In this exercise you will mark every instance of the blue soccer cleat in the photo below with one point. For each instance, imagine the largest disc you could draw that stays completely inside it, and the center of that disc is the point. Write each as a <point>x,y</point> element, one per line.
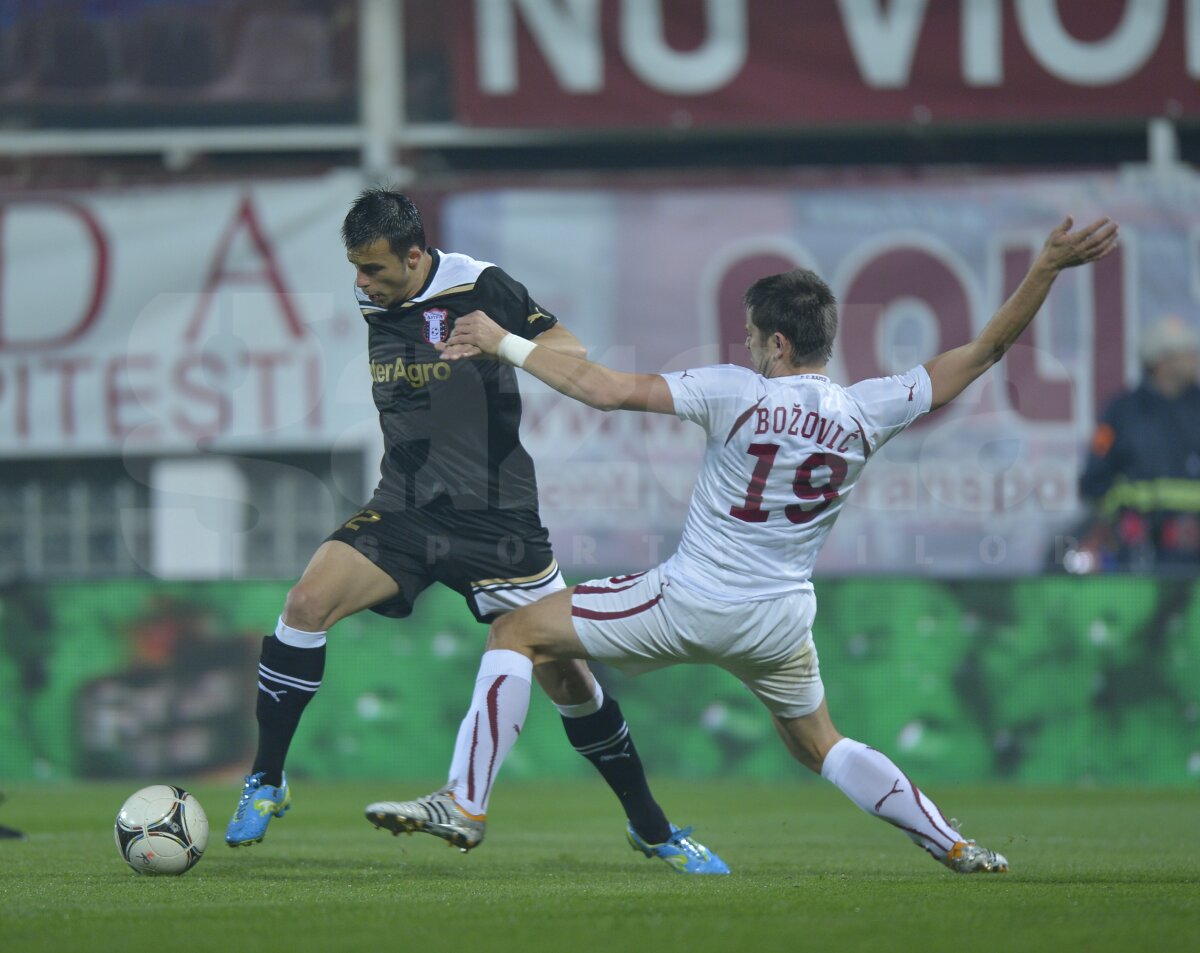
<point>684,854</point>
<point>255,808</point>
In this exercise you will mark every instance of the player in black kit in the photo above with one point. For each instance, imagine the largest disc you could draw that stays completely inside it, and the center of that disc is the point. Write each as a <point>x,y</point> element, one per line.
<point>456,504</point>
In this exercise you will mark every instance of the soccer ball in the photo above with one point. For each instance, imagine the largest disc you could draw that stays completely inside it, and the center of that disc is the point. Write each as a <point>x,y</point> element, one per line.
<point>161,829</point>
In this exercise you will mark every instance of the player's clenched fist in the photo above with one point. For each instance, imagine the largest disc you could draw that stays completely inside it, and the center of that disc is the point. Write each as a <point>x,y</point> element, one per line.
<point>474,334</point>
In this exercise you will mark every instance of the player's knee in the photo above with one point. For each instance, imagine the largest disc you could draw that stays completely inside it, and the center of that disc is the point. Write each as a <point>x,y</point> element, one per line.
<point>503,634</point>
<point>515,632</point>
<point>307,610</point>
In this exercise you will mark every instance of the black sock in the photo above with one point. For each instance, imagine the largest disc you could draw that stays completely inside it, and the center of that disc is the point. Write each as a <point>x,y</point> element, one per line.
<point>603,738</point>
<point>288,677</point>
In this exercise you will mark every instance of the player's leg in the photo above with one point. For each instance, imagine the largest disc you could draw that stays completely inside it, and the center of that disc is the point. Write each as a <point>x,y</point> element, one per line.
<point>592,718</point>
<point>778,661</point>
<point>500,701</point>
<point>622,618</point>
<point>596,728</point>
<point>498,581</point>
<point>539,635</point>
<point>339,581</point>
<point>872,781</point>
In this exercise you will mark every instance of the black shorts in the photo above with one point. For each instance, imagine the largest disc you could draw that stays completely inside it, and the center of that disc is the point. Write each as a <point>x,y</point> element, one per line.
<point>495,572</point>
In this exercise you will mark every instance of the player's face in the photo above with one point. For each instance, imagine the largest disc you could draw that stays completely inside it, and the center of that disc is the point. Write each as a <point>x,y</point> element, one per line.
<point>385,277</point>
<point>759,346</point>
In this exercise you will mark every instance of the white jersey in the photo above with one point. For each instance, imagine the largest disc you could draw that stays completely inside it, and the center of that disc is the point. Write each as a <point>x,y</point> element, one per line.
<point>783,454</point>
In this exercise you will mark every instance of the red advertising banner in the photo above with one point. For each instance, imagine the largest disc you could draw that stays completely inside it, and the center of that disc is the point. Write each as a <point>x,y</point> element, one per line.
<point>724,63</point>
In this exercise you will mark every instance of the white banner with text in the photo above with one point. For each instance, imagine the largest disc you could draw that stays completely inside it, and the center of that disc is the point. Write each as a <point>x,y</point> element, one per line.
<point>221,318</point>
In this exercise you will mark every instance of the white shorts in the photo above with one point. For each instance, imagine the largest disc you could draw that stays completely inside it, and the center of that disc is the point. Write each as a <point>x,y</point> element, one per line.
<point>646,621</point>
<point>491,597</point>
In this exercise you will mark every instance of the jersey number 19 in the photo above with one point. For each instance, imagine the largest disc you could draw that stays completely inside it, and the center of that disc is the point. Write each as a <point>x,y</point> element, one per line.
<point>752,512</point>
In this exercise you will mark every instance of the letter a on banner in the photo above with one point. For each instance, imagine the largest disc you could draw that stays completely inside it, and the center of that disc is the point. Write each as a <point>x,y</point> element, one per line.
<point>225,272</point>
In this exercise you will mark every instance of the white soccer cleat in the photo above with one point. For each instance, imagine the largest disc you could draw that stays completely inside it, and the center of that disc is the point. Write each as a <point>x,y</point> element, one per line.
<point>437,814</point>
<point>967,857</point>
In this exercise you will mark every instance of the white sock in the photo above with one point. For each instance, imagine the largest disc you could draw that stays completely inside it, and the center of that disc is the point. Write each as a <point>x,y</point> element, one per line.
<point>870,779</point>
<point>298,638</point>
<point>589,707</point>
<point>493,722</point>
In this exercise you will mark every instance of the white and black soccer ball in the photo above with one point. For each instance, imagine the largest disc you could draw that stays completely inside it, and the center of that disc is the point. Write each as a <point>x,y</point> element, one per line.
<point>161,830</point>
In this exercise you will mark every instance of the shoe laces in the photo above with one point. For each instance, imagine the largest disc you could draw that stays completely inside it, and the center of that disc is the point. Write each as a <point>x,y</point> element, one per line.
<point>683,840</point>
<point>250,785</point>
<point>956,826</point>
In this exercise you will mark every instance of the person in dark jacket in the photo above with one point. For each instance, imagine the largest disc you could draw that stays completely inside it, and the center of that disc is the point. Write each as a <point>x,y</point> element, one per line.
<point>1142,476</point>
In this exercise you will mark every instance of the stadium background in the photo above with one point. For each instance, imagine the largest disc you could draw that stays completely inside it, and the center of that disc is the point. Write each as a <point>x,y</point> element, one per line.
<point>184,410</point>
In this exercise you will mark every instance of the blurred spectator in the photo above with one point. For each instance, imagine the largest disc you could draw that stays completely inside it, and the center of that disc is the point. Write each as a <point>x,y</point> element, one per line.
<point>1142,475</point>
<point>9,833</point>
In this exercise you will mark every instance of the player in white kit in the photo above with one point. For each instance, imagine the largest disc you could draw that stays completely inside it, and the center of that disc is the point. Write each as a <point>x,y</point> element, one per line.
<point>785,448</point>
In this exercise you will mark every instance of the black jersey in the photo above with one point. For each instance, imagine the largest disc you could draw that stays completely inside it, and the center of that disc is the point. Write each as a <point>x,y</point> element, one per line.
<point>451,429</point>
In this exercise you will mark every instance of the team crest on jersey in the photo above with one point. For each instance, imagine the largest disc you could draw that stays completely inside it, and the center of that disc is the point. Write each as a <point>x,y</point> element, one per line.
<point>437,325</point>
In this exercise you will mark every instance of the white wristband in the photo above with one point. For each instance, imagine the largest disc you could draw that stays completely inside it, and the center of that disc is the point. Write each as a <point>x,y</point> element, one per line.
<point>514,349</point>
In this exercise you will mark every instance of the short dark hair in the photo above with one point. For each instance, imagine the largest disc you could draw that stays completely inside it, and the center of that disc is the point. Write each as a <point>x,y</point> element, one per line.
<point>800,306</point>
<point>383,213</point>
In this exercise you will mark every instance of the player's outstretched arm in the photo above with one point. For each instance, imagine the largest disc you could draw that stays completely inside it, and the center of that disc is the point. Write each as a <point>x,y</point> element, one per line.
<point>560,339</point>
<point>952,371</point>
<point>476,335</point>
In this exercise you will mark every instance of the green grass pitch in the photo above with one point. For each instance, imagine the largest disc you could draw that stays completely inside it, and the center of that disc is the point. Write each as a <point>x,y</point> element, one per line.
<point>1093,870</point>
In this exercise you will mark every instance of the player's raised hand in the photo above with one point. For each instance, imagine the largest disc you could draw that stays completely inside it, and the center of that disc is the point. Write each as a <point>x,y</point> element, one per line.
<point>1066,249</point>
<point>474,335</point>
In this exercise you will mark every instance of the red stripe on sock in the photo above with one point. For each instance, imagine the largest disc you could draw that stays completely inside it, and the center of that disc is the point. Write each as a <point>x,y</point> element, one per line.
<point>916,792</point>
<point>471,761</point>
<point>494,726</point>
<point>920,834</point>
